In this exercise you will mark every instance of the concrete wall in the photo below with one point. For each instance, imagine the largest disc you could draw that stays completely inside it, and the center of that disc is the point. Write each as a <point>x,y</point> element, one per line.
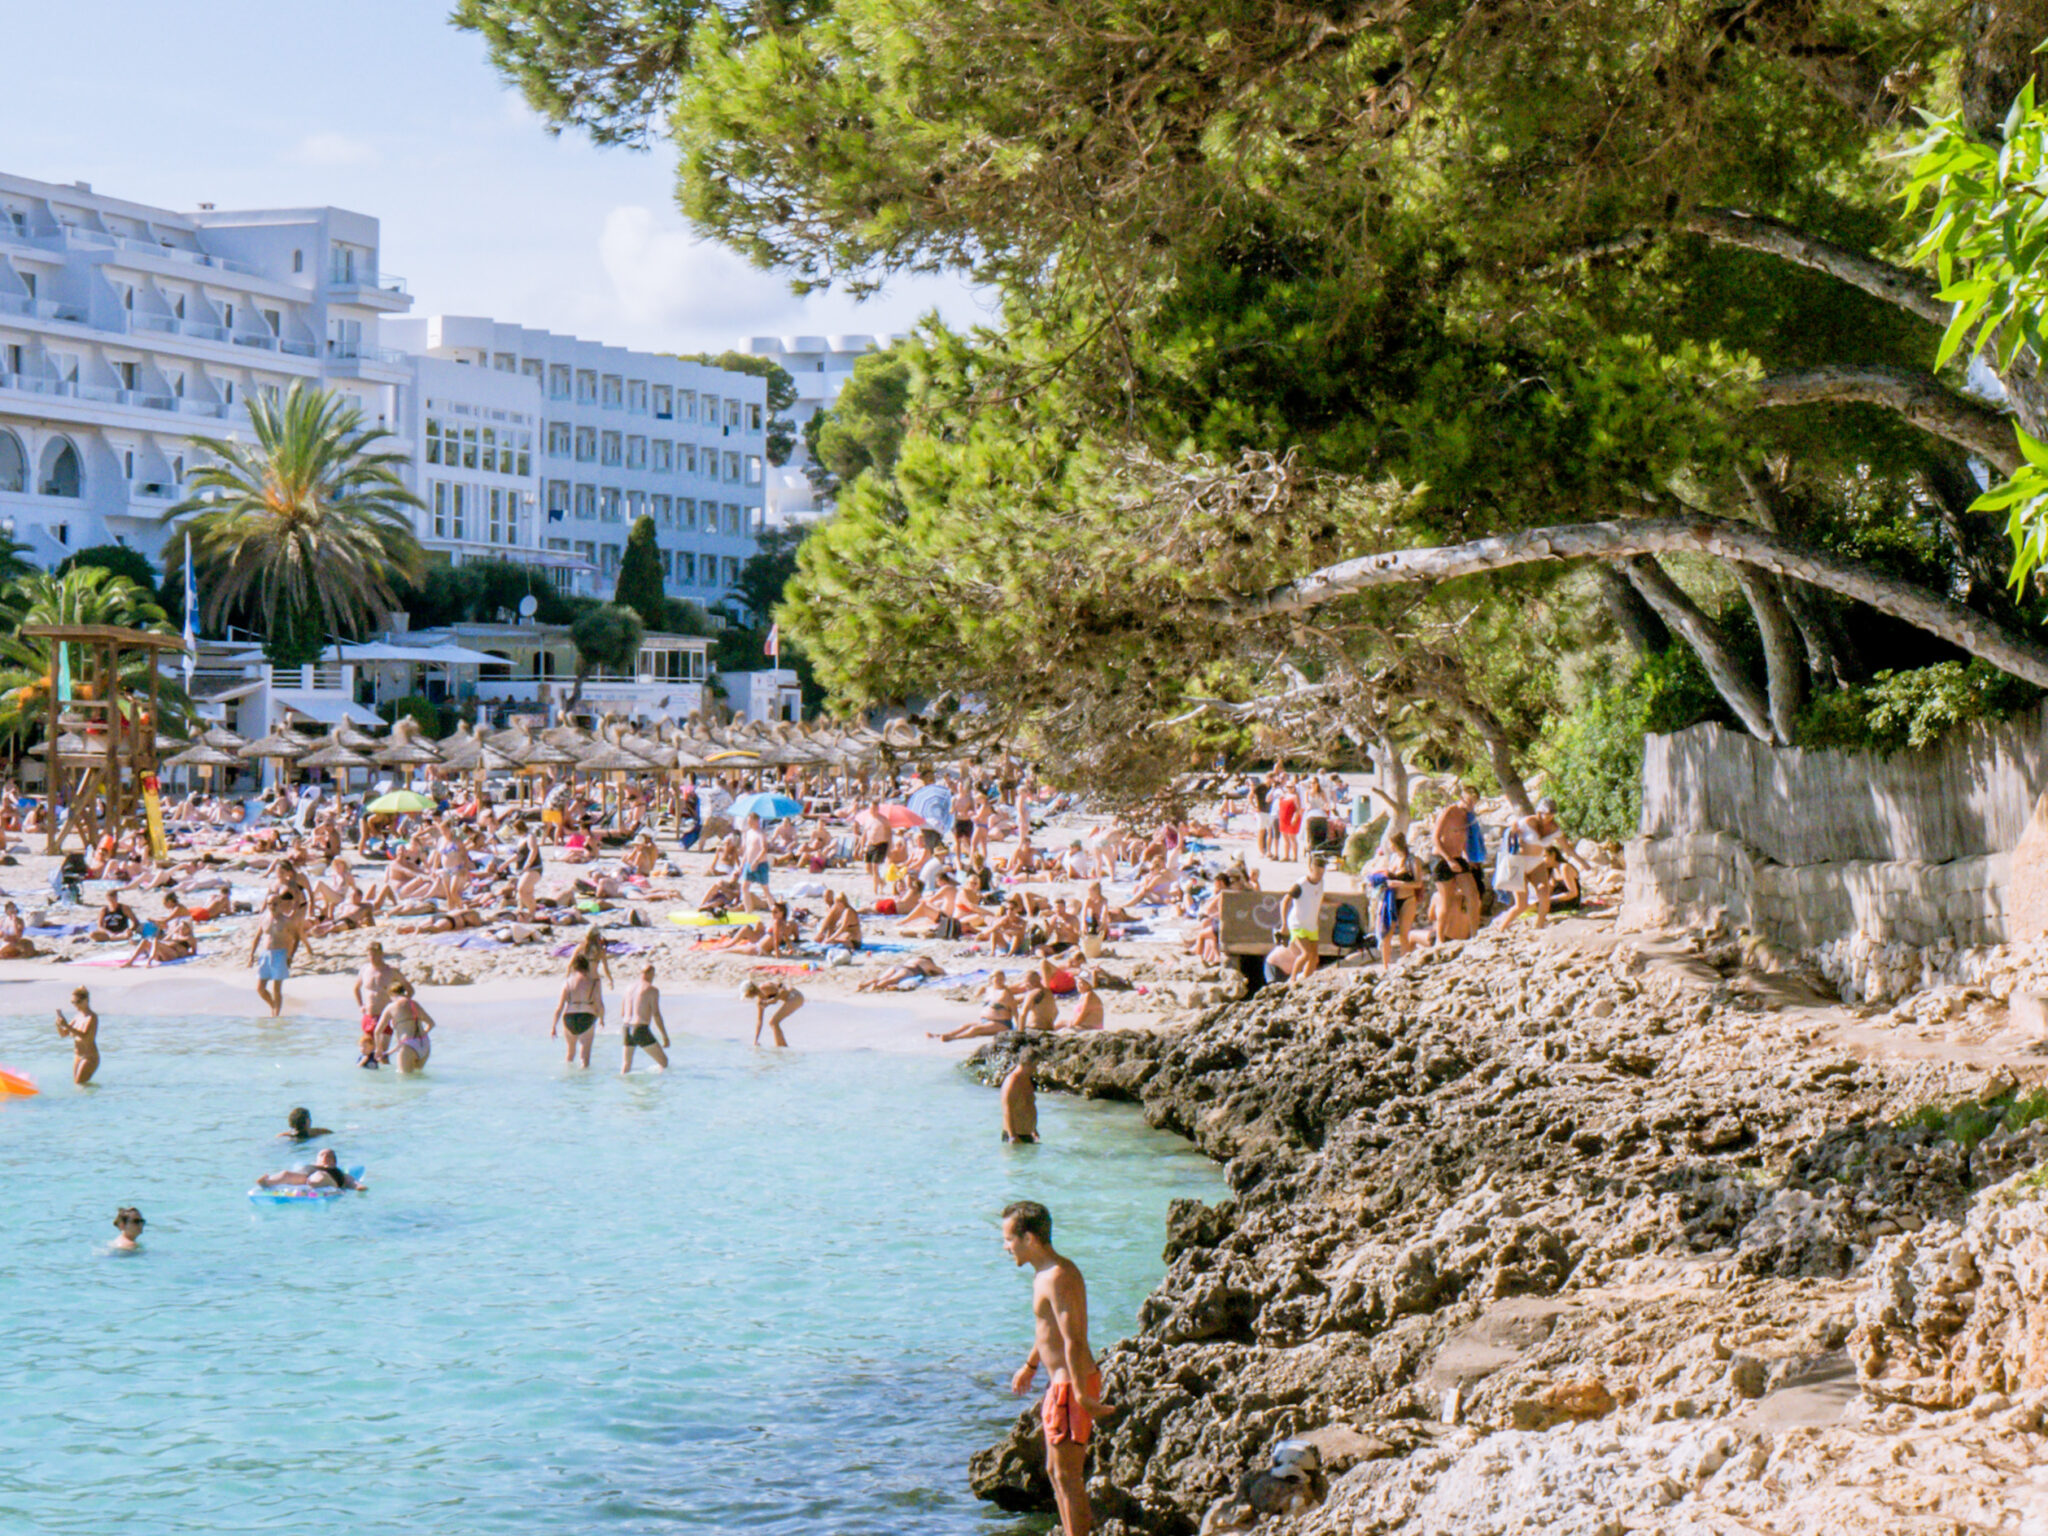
<point>1813,848</point>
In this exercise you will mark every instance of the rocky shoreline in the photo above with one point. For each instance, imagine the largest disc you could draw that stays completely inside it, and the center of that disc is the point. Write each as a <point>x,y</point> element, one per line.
<point>1525,1240</point>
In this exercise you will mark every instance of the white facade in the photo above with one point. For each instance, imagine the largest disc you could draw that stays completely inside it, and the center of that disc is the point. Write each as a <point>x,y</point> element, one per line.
<point>820,365</point>
<point>622,434</point>
<point>126,330</point>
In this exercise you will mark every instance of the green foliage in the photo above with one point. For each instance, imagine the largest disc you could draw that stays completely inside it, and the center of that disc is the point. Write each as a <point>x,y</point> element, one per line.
<point>1987,233</point>
<point>607,636</point>
<point>89,595</point>
<point>434,720</point>
<point>639,587</point>
<point>864,427</point>
<point>118,559</point>
<point>481,591</point>
<point>1593,754</point>
<point>305,532</point>
<point>767,572</point>
<point>1915,708</point>
<point>1968,1122</point>
<point>780,430</point>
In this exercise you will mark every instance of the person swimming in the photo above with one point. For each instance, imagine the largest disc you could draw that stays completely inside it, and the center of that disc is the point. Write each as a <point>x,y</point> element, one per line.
<point>128,1225</point>
<point>325,1172</point>
<point>302,1127</point>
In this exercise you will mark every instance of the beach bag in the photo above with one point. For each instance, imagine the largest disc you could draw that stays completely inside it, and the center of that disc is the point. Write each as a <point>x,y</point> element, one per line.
<point>1514,844</point>
<point>1346,930</point>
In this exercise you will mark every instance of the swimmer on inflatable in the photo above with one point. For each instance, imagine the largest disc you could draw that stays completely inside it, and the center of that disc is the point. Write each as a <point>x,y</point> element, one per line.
<point>325,1175</point>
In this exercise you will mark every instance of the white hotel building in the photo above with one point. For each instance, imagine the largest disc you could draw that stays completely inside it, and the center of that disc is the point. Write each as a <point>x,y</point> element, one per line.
<point>127,330</point>
<point>588,438</point>
<point>820,365</point>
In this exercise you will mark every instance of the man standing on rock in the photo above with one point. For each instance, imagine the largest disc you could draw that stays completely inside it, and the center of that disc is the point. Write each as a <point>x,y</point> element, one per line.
<point>1073,1401</point>
<point>1457,884</point>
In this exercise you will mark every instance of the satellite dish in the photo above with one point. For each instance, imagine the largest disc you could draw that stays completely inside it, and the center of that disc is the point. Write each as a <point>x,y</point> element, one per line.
<point>529,605</point>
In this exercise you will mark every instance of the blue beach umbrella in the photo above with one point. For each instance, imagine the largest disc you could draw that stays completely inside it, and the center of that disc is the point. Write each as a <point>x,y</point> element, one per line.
<point>767,806</point>
<point>934,802</point>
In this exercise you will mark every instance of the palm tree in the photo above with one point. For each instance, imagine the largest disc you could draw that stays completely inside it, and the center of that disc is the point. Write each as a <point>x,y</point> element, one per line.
<point>87,595</point>
<point>307,527</point>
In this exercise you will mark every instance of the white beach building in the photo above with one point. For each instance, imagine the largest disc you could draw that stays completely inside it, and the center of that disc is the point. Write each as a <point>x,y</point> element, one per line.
<point>619,434</point>
<point>125,330</point>
<point>820,365</point>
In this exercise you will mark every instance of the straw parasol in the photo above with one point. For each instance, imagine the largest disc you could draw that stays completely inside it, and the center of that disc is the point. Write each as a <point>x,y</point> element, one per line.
<point>202,754</point>
<point>355,740</point>
<point>405,749</point>
<point>225,740</point>
<point>283,743</point>
<point>336,758</point>
<point>460,751</point>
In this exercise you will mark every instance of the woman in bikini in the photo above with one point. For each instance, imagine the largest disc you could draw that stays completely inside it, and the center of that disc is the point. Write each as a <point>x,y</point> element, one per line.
<point>596,953</point>
<point>784,999</point>
<point>917,968</point>
<point>406,1027</point>
<point>998,1013</point>
<point>580,1008</point>
<point>82,1029</point>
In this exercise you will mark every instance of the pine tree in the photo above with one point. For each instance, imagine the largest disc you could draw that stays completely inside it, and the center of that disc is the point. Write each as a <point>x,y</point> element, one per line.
<point>639,585</point>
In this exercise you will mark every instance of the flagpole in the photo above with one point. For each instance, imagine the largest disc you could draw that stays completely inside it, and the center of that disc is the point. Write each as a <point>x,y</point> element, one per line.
<point>191,603</point>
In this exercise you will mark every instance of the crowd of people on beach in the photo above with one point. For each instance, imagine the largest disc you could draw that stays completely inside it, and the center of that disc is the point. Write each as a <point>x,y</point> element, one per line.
<point>977,878</point>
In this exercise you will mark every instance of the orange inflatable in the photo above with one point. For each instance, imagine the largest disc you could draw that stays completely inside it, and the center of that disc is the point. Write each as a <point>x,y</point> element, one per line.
<point>14,1086</point>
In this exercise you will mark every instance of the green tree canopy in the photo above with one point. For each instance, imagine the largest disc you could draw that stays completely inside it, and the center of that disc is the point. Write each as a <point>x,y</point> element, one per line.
<point>307,531</point>
<point>863,429</point>
<point>609,637</point>
<point>639,586</point>
<point>117,559</point>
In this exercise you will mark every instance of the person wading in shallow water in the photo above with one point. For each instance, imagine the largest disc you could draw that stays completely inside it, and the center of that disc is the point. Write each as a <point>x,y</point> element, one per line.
<point>1020,1103</point>
<point>1073,1400</point>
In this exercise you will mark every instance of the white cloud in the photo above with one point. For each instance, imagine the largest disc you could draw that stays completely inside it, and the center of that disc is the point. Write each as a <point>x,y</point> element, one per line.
<point>333,149</point>
<point>668,278</point>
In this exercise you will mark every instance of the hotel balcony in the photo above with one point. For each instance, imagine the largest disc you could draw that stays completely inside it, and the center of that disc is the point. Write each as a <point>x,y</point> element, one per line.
<point>383,291</point>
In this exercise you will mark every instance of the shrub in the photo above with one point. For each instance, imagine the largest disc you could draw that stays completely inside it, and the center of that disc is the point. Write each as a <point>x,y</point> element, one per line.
<point>1592,757</point>
<point>433,719</point>
<point>1916,708</point>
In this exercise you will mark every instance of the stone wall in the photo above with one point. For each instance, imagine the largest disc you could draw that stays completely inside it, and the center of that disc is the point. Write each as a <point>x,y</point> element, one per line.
<point>1862,861</point>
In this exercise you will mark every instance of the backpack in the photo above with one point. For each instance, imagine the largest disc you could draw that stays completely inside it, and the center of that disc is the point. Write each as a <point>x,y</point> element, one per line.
<point>1346,930</point>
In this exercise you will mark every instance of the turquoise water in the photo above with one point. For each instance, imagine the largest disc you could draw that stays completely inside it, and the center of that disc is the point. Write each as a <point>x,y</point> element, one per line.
<point>763,1292</point>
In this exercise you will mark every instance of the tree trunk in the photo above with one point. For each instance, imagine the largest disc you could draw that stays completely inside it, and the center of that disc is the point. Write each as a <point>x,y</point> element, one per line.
<point>1637,620</point>
<point>1724,667</point>
<point>1784,652</point>
<point>1831,657</point>
<point>1487,727</point>
<point>1619,539</point>
<point>1919,397</point>
<point>1390,768</point>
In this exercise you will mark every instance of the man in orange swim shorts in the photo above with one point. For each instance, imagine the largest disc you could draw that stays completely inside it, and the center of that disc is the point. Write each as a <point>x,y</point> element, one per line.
<point>1073,1402</point>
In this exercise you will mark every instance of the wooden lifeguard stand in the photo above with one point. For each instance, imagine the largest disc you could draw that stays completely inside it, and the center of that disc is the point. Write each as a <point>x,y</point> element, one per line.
<point>116,732</point>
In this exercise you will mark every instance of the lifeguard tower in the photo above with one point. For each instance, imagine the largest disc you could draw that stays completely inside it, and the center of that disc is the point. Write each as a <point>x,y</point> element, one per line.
<point>101,742</point>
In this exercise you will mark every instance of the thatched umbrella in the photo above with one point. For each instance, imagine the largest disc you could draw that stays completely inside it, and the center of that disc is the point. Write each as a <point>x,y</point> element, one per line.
<point>338,759</point>
<point>225,740</point>
<point>283,745</point>
<point>353,739</point>
<point>460,751</point>
<point>405,749</point>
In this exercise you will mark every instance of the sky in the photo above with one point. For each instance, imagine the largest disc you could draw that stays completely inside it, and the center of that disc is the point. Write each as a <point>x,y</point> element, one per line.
<point>382,107</point>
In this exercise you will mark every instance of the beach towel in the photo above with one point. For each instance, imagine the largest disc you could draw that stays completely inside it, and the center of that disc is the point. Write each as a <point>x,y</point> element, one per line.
<point>611,947</point>
<point>470,940</point>
<point>710,920</point>
<point>115,960</point>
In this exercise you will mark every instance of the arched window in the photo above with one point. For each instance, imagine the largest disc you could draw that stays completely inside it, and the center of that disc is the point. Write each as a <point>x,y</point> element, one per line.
<point>61,472</point>
<point>13,464</point>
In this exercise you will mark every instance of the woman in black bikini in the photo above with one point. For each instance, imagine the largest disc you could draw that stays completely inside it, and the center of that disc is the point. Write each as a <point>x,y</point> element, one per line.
<point>580,1008</point>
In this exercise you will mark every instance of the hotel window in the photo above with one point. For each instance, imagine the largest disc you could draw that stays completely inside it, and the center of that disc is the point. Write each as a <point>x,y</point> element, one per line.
<point>664,511</point>
<point>636,505</point>
<point>611,504</point>
<point>490,453</point>
<point>732,518</point>
<point>505,362</point>
<point>586,550</point>
<point>753,418</point>
<point>460,509</point>
<point>686,404</point>
<point>532,367</point>
<point>687,454</point>
<point>686,568</point>
<point>559,440</point>
<point>525,460</point>
<point>586,387</point>
<point>608,452</point>
<point>586,445</point>
<point>636,453</point>
<point>558,500</point>
<point>128,464</point>
<point>504,516</point>
<point>753,469</point>
<point>14,357</point>
<point>440,509</point>
<point>433,440</point>
<point>732,571</point>
<point>732,415</point>
<point>636,396</point>
<point>663,456</point>
<point>711,410</point>
<point>686,513</point>
<point>586,502</point>
<point>469,447</point>
<point>732,467</point>
<point>614,392</point>
<point>558,382</point>
<point>611,560</point>
<point>664,402</point>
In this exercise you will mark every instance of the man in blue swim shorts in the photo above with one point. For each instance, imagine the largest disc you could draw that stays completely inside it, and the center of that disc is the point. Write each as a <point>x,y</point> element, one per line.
<point>270,951</point>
